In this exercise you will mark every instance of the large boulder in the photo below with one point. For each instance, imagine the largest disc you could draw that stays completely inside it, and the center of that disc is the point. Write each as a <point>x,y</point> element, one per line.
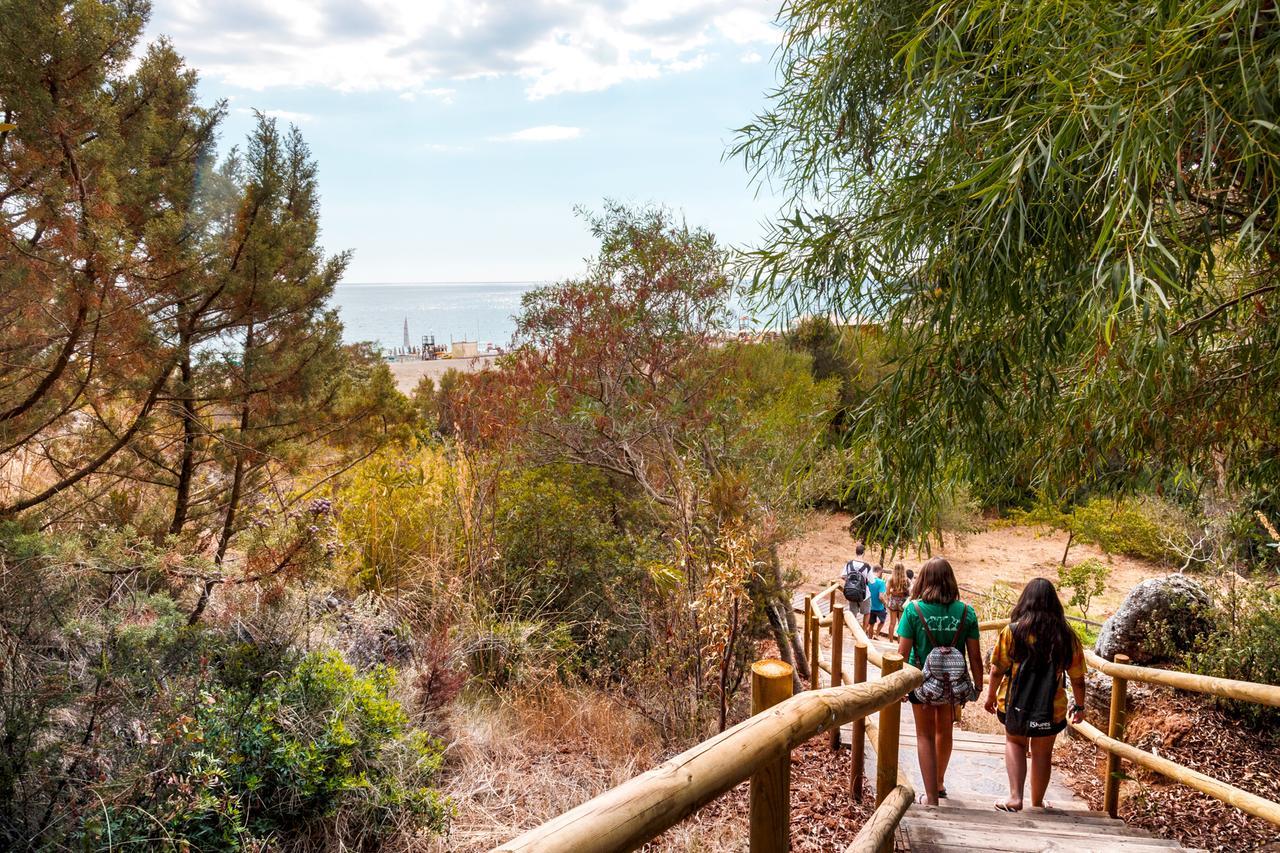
<point>1159,618</point>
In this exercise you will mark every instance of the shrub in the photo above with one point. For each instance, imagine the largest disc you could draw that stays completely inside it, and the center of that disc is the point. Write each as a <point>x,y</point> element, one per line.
<point>1145,527</point>
<point>320,751</point>
<point>1245,645</point>
<point>517,652</point>
<point>394,516</point>
<point>1086,579</point>
<point>123,727</point>
<point>573,547</point>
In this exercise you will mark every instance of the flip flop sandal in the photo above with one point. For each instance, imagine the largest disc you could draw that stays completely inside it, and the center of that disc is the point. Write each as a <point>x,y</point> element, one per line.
<point>942,793</point>
<point>1005,807</point>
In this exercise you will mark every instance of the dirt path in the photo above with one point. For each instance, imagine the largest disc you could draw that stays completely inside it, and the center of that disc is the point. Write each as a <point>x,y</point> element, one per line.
<point>999,555</point>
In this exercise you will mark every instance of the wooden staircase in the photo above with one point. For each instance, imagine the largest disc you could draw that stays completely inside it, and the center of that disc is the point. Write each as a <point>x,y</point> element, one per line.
<point>968,820</point>
<point>962,825</point>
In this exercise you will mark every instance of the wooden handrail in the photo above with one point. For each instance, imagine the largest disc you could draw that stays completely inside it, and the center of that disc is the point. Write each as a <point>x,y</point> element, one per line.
<point>638,810</point>
<point>1070,618</point>
<point>1229,688</point>
<point>877,832</point>
<point>1243,800</point>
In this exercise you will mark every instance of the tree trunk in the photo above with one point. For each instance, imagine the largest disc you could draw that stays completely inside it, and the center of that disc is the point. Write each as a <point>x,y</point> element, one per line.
<point>186,468</point>
<point>237,489</point>
<point>792,634</point>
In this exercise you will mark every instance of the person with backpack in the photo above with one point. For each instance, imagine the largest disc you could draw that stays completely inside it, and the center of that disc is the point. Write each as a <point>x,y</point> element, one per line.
<point>939,634</point>
<point>856,578</point>
<point>897,589</point>
<point>1033,654</point>
<point>876,594</point>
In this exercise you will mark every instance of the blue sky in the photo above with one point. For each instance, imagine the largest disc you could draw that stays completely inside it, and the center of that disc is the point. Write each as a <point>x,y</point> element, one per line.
<point>455,138</point>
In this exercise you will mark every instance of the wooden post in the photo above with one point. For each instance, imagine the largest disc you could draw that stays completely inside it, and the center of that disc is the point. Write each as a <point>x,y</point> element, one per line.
<point>1115,729</point>
<point>815,643</point>
<point>808,635</point>
<point>770,794</point>
<point>858,747</point>
<point>837,659</point>
<point>887,747</point>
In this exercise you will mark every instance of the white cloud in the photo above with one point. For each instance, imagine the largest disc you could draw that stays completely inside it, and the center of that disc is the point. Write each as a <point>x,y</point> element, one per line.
<point>751,57</point>
<point>286,116</point>
<point>441,94</point>
<point>418,49</point>
<point>542,133</point>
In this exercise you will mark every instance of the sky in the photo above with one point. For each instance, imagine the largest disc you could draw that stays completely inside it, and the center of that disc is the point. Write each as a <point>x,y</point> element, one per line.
<point>455,137</point>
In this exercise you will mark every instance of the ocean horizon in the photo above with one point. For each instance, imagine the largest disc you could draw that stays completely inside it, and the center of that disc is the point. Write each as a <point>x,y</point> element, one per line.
<point>482,311</point>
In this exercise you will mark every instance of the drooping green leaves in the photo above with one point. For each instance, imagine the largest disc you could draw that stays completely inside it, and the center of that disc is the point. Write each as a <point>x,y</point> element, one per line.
<point>1064,212</point>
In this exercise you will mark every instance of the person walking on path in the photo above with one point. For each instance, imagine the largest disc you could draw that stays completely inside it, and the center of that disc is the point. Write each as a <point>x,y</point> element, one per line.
<point>876,593</point>
<point>1026,690</point>
<point>856,578</point>
<point>937,633</point>
<point>897,589</point>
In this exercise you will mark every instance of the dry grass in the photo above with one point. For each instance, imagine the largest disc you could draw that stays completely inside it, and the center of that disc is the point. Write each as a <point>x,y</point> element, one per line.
<point>518,760</point>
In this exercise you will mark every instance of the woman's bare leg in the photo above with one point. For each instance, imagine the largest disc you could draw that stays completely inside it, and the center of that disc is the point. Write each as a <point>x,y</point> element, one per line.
<point>926,750</point>
<point>944,716</point>
<point>1015,764</point>
<point>1041,767</point>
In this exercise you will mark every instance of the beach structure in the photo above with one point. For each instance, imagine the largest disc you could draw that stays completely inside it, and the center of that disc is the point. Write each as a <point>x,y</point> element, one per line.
<point>464,349</point>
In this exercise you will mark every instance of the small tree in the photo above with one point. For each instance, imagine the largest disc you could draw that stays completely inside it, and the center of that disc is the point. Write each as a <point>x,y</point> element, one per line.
<point>1086,579</point>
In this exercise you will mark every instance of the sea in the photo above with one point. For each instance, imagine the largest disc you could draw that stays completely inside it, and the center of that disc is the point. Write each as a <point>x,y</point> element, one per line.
<point>470,311</point>
<point>465,311</point>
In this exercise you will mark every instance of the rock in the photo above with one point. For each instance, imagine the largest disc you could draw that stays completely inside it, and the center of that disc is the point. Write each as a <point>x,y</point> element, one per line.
<point>1159,618</point>
<point>1097,695</point>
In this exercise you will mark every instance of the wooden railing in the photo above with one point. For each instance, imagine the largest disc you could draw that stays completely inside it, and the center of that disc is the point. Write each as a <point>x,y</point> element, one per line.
<point>885,820</point>
<point>759,749</point>
<point>1122,672</point>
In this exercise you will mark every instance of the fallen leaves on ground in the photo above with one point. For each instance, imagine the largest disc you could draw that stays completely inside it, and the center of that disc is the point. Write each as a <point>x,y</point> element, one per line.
<point>1188,730</point>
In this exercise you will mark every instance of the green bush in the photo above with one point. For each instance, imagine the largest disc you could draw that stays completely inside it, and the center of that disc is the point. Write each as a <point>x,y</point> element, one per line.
<point>1144,527</point>
<point>573,549</point>
<point>1245,645</point>
<point>319,751</point>
<point>123,727</point>
<point>1085,579</point>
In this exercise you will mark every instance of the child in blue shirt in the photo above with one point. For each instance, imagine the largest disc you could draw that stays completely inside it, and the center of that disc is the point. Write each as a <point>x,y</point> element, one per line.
<point>879,612</point>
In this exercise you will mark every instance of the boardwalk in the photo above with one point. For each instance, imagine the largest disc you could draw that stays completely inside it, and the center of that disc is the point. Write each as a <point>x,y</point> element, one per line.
<point>968,820</point>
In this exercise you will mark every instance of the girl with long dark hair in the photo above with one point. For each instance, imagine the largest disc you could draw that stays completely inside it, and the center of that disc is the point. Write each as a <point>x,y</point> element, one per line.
<point>939,634</point>
<point>1035,650</point>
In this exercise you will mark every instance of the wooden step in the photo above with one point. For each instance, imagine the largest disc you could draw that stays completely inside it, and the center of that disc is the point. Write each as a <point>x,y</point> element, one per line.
<point>926,836</point>
<point>1060,824</point>
<point>979,810</point>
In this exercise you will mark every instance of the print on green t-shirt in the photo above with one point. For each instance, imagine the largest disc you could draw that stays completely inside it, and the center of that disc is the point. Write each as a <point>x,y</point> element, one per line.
<point>943,621</point>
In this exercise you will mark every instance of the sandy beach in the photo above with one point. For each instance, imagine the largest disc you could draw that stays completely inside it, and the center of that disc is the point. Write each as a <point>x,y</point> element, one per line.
<point>407,373</point>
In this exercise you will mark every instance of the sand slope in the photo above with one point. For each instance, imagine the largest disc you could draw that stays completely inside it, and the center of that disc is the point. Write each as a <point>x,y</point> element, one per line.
<point>1002,554</point>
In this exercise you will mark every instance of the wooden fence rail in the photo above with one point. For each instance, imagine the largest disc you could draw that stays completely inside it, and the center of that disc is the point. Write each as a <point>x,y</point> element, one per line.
<point>638,810</point>
<point>758,748</point>
<point>1112,742</point>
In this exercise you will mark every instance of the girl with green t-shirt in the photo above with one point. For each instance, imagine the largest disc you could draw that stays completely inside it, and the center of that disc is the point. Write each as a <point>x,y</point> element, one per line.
<point>936,615</point>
